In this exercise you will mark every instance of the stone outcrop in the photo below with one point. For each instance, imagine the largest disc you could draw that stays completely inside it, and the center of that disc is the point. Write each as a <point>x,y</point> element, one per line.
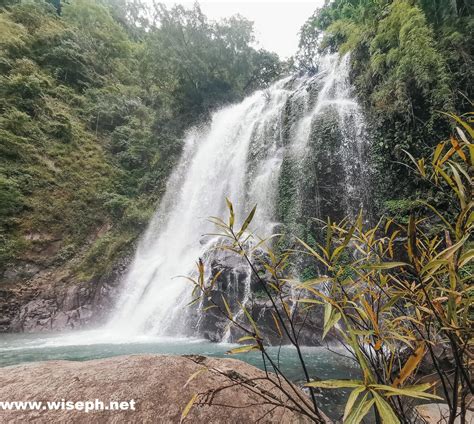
<point>438,413</point>
<point>233,278</point>
<point>56,300</point>
<point>229,391</point>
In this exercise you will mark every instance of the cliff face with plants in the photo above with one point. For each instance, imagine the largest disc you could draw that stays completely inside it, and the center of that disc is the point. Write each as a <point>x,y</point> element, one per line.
<point>94,100</point>
<point>411,59</point>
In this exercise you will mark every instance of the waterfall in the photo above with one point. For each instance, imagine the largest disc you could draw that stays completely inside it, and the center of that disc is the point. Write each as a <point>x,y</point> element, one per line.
<point>261,151</point>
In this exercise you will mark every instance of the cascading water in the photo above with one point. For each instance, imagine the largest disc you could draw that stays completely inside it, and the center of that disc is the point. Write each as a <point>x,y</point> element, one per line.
<point>261,151</point>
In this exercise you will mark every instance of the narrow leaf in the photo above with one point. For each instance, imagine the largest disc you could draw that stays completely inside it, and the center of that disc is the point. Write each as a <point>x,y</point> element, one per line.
<point>194,375</point>
<point>188,407</point>
<point>360,411</point>
<point>247,222</point>
<point>335,384</point>
<point>227,308</point>
<point>231,211</point>
<point>385,410</point>
<point>351,401</point>
<point>243,349</point>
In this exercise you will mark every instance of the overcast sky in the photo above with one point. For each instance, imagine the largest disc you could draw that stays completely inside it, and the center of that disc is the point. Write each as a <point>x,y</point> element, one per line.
<point>276,23</point>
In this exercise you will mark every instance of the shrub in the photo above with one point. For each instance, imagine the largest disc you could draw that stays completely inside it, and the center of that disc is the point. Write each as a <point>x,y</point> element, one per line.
<point>388,303</point>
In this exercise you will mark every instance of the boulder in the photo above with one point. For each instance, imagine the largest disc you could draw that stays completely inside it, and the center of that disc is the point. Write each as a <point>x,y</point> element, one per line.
<point>229,391</point>
<point>235,281</point>
<point>438,413</point>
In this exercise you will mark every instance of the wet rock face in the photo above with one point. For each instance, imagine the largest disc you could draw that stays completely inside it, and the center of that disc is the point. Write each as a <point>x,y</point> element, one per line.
<point>237,282</point>
<point>308,327</point>
<point>52,301</point>
<point>55,301</point>
<point>50,315</point>
<point>36,314</point>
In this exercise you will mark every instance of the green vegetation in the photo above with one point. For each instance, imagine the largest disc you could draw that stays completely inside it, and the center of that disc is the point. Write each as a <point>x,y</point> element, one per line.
<point>410,60</point>
<point>94,99</point>
<point>392,295</point>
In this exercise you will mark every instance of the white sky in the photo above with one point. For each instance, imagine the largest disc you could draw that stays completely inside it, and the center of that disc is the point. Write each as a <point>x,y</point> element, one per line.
<point>276,23</point>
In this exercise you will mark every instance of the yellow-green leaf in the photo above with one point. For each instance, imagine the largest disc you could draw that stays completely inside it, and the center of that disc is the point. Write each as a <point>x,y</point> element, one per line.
<point>213,281</point>
<point>385,410</point>
<point>231,211</point>
<point>358,412</point>
<point>313,252</point>
<point>227,308</point>
<point>418,391</point>
<point>247,221</point>
<point>437,152</point>
<point>466,257</point>
<point>277,325</point>
<point>242,349</point>
<point>314,281</point>
<point>194,375</point>
<point>251,320</point>
<point>351,401</point>
<point>387,265</point>
<point>245,338</point>
<point>331,318</point>
<point>188,407</point>
<point>335,384</point>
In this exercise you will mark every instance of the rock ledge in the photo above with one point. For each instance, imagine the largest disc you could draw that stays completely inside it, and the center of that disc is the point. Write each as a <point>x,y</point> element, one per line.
<point>159,384</point>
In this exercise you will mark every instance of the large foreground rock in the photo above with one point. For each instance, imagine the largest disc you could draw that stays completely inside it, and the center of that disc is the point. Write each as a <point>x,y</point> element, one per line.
<point>157,383</point>
<point>438,413</point>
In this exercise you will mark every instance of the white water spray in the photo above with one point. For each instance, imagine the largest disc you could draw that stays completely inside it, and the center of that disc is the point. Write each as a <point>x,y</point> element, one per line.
<point>239,156</point>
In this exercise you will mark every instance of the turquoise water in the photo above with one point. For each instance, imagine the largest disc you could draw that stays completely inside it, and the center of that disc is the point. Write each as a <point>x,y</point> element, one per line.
<point>81,346</point>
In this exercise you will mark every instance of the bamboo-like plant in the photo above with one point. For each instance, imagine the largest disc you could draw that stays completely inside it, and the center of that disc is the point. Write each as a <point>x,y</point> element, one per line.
<point>405,294</point>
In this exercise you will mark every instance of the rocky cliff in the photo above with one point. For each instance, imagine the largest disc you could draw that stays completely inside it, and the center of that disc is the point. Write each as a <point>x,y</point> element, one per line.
<point>37,298</point>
